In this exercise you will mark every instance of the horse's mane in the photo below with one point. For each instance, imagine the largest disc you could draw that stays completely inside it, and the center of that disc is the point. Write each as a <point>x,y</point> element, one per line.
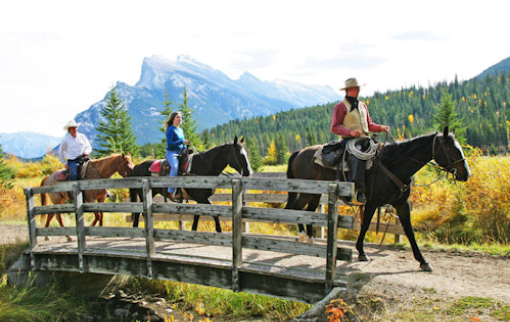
<point>400,151</point>
<point>106,162</point>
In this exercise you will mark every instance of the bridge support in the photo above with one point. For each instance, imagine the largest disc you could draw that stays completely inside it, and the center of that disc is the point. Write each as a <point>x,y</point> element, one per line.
<point>89,284</point>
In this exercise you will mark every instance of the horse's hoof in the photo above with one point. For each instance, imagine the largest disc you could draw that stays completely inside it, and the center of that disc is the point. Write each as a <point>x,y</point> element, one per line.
<point>308,240</point>
<point>47,238</point>
<point>426,267</point>
<point>69,239</point>
<point>363,258</point>
<point>302,237</point>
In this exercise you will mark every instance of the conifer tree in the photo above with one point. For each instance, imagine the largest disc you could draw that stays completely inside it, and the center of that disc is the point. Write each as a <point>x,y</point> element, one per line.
<point>254,156</point>
<point>6,173</point>
<point>281,149</point>
<point>168,109</point>
<point>115,132</point>
<point>189,124</point>
<point>446,116</point>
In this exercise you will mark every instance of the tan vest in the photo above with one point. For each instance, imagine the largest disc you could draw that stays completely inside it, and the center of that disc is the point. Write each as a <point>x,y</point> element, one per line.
<point>357,118</point>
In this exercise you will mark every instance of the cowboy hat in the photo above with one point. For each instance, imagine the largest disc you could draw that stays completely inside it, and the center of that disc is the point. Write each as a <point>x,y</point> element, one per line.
<point>69,124</point>
<point>350,83</point>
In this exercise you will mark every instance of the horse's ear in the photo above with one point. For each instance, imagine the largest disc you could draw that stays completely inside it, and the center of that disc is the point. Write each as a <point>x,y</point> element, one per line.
<point>242,139</point>
<point>235,139</point>
<point>445,131</point>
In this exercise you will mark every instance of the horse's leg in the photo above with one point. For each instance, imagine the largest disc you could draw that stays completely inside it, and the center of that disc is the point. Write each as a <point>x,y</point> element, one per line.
<point>367,218</point>
<point>195,222</point>
<point>59,219</point>
<point>404,214</point>
<point>133,194</point>
<point>302,200</point>
<point>48,220</point>
<point>312,206</point>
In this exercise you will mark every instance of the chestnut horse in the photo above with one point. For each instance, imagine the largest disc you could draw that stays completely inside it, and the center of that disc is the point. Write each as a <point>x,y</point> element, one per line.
<point>97,169</point>
<point>387,182</point>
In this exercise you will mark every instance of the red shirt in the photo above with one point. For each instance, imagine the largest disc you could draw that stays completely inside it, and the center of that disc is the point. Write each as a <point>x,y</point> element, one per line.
<point>338,118</point>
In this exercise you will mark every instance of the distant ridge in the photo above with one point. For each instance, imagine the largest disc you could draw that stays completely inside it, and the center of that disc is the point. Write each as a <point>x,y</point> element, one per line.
<point>215,97</point>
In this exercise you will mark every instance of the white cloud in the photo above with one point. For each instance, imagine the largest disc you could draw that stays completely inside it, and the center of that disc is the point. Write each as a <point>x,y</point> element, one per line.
<point>60,57</point>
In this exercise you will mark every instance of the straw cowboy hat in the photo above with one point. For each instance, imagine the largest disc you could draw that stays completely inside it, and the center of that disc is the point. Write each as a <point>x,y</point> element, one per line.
<point>69,124</point>
<point>350,83</point>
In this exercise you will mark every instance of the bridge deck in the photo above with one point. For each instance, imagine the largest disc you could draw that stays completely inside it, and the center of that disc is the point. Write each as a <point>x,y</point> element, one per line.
<point>187,262</point>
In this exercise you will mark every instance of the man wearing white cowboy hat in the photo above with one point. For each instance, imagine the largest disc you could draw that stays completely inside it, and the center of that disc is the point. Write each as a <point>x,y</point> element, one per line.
<point>73,147</point>
<point>351,120</point>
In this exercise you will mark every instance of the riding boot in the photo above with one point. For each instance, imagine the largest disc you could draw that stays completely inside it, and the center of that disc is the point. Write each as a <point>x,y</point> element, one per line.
<point>357,171</point>
<point>171,197</point>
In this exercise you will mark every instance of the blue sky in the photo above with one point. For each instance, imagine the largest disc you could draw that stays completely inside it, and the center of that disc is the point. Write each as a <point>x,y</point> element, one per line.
<point>59,57</point>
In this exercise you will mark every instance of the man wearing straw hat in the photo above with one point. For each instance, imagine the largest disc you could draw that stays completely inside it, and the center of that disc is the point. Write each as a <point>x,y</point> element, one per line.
<point>352,120</point>
<point>74,146</point>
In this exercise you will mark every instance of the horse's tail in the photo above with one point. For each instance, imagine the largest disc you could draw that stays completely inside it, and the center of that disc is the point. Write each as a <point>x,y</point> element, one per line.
<point>44,200</point>
<point>290,175</point>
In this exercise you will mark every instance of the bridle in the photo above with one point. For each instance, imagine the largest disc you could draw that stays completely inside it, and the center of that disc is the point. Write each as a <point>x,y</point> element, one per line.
<point>450,168</point>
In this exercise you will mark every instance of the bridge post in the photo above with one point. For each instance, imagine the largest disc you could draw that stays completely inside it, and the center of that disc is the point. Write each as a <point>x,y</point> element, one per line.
<point>149,225</point>
<point>331,247</point>
<point>29,196</point>
<point>237,231</point>
<point>80,226</point>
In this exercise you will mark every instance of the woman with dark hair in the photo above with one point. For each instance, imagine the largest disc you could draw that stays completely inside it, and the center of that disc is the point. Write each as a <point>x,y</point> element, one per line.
<point>175,143</point>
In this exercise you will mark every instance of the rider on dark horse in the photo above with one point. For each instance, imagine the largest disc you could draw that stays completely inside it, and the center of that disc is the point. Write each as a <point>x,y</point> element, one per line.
<point>175,144</point>
<point>352,120</point>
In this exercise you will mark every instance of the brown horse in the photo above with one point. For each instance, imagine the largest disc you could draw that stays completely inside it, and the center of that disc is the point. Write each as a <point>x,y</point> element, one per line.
<point>388,182</point>
<point>97,169</point>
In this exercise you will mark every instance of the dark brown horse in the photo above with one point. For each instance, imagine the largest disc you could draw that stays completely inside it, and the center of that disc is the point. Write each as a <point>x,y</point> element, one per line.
<point>403,160</point>
<point>209,163</point>
<point>97,169</point>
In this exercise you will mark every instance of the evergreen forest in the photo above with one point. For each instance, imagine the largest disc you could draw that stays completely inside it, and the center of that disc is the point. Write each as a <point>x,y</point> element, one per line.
<point>480,104</point>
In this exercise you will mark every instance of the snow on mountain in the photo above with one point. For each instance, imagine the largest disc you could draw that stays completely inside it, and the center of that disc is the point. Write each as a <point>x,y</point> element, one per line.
<point>214,96</point>
<point>28,145</point>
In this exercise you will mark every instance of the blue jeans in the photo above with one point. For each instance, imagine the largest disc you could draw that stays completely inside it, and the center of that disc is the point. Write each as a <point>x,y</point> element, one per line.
<point>73,169</point>
<point>171,157</point>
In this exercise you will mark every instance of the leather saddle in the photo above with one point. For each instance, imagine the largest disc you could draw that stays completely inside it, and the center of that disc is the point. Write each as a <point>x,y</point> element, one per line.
<point>161,167</point>
<point>332,155</point>
<point>65,175</point>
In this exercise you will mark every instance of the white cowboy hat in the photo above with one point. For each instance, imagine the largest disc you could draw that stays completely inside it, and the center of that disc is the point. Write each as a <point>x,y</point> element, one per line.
<point>69,124</point>
<point>350,83</point>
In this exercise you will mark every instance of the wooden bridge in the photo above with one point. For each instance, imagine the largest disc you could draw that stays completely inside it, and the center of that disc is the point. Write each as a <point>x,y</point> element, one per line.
<point>262,264</point>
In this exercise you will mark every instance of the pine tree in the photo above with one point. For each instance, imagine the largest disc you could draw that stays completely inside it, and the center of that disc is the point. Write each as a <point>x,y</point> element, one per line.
<point>446,116</point>
<point>189,124</point>
<point>115,133</point>
<point>254,156</point>
<point>281,149</point>
<point>6,174</point>
<point>168,109</point>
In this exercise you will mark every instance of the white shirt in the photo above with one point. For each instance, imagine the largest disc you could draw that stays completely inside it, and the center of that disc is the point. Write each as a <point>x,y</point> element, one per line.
<point>73,147</point>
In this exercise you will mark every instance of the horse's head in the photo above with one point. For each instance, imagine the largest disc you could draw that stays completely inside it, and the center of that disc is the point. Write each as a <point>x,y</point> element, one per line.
<point>448,154</point>
<point>126,165</point>
<point>238,158</point>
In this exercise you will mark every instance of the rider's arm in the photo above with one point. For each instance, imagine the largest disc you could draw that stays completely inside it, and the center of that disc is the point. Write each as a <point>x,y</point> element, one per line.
<point>338,117</point>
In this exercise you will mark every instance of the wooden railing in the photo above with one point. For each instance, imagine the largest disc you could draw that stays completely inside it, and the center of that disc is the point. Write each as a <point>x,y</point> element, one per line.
<point>238,276</point>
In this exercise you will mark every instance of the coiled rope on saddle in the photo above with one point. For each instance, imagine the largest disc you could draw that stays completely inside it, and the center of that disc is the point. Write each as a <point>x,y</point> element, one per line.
<point>358,153</point>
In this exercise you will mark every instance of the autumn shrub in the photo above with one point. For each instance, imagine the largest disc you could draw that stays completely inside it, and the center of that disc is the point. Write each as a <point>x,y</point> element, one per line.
<point>465,212</point>
<point>50,163</point>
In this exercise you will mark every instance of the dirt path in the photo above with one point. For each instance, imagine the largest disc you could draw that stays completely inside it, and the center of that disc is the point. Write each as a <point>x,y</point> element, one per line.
<point>455,275</point>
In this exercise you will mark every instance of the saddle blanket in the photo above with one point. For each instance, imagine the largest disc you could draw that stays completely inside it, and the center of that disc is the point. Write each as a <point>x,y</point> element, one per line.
<point>63,175</point>
<point>317,158</point>
<point>159,167</point>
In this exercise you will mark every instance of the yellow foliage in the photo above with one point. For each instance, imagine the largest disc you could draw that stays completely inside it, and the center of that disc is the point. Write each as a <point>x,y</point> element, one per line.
<point>411,118</point>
